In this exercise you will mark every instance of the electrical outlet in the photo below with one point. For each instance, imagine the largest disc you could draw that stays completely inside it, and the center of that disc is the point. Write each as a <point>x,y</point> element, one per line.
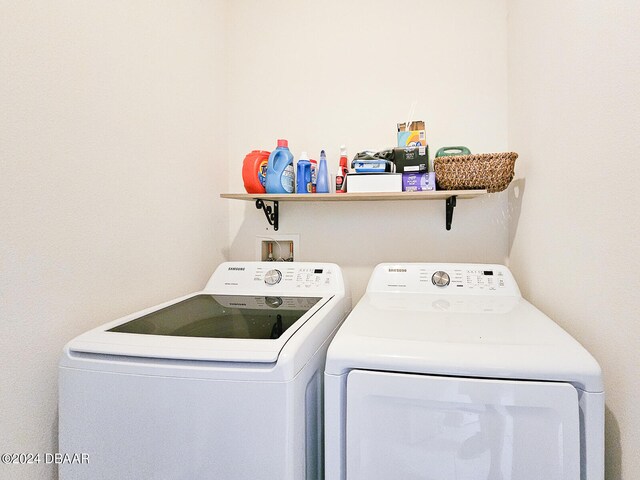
<point>278,248</point>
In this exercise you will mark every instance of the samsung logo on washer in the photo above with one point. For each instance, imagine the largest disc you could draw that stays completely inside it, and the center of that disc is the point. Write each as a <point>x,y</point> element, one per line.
<point>398,270</point>
<point>237,269</point>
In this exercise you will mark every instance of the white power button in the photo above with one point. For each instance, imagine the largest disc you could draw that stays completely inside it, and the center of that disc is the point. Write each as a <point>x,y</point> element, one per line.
<point>272,277</point>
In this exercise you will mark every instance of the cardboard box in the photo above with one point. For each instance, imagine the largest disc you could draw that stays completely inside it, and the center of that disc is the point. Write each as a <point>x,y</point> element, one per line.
<point>412,135</point>
<point>411,159</point>
<point>374,182</point>
<point>418,182</point>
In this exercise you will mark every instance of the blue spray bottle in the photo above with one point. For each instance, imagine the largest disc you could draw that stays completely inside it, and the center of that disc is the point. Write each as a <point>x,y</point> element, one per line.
<point>322,183</point>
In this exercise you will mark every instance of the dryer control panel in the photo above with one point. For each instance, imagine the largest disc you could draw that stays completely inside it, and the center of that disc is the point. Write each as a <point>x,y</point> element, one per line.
<point>281,277</point>
<point>436,278</point>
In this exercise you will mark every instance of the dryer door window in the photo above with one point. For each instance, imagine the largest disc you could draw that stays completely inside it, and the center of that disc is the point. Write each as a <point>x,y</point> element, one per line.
<point>428,427</point>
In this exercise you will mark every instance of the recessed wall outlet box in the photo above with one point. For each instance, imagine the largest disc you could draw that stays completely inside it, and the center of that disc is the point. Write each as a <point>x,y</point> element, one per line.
<point>278,248</point>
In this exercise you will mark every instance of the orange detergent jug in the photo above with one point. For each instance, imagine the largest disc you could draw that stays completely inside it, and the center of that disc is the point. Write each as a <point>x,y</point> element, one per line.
<point>254,171</point>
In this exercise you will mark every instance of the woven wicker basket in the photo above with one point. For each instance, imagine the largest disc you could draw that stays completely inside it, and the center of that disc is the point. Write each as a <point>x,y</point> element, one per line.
<point>490,171</point>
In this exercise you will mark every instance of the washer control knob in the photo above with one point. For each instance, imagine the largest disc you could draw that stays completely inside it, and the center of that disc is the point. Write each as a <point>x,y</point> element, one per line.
<point>272,277</point>
<point>440,279</point>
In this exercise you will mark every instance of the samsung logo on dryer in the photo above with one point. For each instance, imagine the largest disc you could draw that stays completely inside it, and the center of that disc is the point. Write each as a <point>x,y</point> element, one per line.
<point>237,269</point>
<point>398,270</point>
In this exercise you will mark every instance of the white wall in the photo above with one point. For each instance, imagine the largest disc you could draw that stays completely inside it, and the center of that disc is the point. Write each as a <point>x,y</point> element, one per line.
<point>111,161</point>
<point>323,74</point>
<point>574,117</point>
<point>114,145</point>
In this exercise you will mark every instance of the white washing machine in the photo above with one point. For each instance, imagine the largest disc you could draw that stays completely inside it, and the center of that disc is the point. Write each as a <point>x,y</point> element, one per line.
<point>223,383</point>
<point>443,371</point>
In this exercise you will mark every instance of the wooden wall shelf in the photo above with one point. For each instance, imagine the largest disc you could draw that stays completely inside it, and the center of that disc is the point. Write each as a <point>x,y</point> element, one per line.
<point>272,212</point>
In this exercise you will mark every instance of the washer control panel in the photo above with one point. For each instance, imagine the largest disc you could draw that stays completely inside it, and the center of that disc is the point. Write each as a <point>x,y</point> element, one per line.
<point>292,276</point>
<point>452,278</point>
<point>299,278</point>
<point>281,278</point>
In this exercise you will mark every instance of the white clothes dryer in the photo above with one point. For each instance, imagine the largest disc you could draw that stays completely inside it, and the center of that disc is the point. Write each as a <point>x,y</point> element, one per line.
<point>222,383</point>
<point>444,371</point>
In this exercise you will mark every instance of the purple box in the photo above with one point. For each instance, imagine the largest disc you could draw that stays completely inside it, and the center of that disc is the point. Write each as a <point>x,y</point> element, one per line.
<point>418,182</point>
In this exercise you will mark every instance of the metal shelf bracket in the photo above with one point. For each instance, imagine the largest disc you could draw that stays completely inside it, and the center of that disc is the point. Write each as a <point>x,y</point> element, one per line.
<point>451,204</point>
<point>271,213</point>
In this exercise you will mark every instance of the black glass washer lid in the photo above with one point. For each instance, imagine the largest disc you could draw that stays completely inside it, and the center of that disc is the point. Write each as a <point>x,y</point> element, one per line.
<point>223,316</point>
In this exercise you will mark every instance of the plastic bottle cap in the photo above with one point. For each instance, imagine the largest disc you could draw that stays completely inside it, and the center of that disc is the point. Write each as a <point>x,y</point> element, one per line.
<point>304,156</point>
<point>283,143</point>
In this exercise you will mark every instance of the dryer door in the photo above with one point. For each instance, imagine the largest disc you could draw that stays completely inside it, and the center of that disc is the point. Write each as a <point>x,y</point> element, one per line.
<point>412,426</point>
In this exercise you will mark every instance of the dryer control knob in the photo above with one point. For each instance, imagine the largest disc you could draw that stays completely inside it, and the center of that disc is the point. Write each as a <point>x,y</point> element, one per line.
<point>272,277</point>
<point>440,279</point>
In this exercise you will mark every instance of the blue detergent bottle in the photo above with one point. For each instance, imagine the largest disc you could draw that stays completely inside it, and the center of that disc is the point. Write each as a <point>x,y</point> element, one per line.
<point>303,174</point>
<point>280,169</point>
